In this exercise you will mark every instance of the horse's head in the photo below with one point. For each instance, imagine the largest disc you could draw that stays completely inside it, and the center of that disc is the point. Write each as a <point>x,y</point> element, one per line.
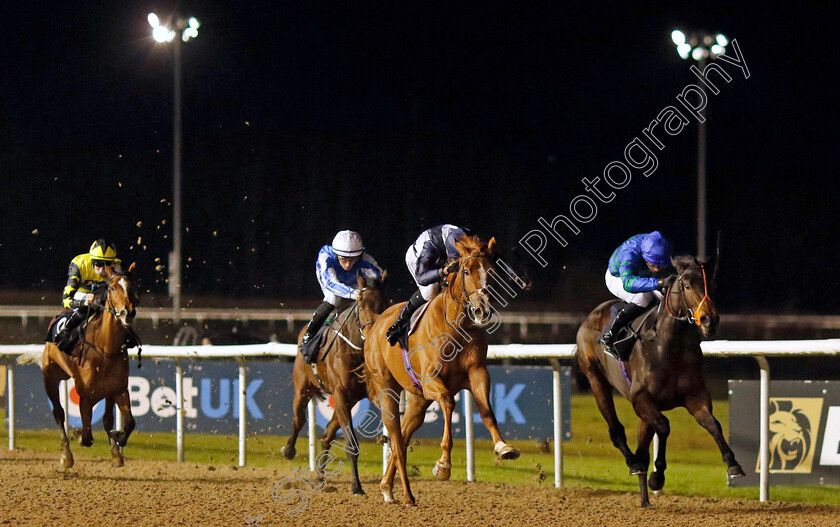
<point>694,285</point>
<point>372,299</point>
<point>467,286</point>
<point>122,297</point>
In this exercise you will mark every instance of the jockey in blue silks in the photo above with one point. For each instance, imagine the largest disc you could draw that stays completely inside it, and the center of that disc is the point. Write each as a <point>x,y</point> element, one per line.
<point>633,276</point>
<point>337,268</point>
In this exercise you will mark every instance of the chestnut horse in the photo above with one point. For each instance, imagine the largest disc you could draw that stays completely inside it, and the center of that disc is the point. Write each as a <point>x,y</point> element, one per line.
<point>665,371</point>
<point>98,364</point>
<point>448,354</point>
<point>338,371</point>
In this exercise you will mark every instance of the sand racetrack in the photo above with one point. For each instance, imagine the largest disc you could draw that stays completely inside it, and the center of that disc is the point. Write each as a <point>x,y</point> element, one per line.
<point>37,491</point>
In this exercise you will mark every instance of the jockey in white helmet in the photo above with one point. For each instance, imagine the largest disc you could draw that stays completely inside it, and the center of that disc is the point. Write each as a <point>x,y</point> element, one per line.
<point>337,267</point>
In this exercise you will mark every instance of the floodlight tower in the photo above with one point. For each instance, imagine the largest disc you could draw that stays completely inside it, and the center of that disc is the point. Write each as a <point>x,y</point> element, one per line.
<point>162,33</point>
<point>700,46</point>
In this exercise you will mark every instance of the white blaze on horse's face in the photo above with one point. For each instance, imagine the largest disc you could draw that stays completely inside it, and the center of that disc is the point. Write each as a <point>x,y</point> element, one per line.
<point>479,308</point>
<point>123,308</point>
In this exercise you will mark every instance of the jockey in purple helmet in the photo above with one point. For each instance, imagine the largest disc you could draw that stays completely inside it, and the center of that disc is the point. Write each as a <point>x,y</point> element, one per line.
<point>633,275</point>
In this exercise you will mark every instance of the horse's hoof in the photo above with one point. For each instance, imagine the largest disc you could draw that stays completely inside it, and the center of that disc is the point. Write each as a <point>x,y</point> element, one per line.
<point>288,452</point>
<point>656,481</point>
<point>735,471</point>
<point>67,461</point>
<point>409,504</point>
<point>388,495</point>
<point>441,471</point>
<point>645,504</point>
<point>505,451</point>
<point>509,453</point>
<point>117,462</point>
<point>359,492</point>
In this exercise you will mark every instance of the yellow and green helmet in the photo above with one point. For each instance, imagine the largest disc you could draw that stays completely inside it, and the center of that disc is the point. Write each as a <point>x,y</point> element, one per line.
<point>103,250</point>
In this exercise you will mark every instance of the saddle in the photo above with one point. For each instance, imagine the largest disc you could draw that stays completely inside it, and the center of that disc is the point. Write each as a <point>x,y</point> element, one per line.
<point>627,336</point>
<point>310,349</point>
<point>413,322</point>
<point>57,324</point>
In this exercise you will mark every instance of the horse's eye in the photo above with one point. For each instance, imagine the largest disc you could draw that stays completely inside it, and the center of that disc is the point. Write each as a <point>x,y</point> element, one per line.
<point>687,286</point>
<point>466,272</point>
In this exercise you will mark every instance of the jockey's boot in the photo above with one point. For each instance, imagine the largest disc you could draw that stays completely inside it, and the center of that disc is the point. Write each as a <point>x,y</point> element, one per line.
<point>318,317</point>
<point>63,338</point>
<point>400,326</point>
<point>624,317</point>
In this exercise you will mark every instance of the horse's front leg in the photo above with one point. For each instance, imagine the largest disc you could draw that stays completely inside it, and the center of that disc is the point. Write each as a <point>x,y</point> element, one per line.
<point>653,422</point>
<point>85,435</point>
<point>119,438</point>
<point>108,425</point>
<point>51,386</point>
<point>331,430</point>
<point>304,391</point>
<point>700,407</point>
<point>480,388</point>
<point>443,466</point>
<point>657,478</point>
<point>344,418</point>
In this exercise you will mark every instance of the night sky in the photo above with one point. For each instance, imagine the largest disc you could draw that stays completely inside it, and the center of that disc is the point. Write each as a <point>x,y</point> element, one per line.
<point>304,118</point>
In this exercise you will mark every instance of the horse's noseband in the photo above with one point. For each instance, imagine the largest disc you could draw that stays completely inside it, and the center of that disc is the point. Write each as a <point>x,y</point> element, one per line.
<point>691,318</point>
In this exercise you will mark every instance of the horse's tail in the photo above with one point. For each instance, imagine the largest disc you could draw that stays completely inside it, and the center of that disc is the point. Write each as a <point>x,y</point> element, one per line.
<point>31,357</point>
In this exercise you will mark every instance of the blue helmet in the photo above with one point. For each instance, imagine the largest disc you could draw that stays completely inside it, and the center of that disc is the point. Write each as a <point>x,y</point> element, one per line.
<point>656,250</point>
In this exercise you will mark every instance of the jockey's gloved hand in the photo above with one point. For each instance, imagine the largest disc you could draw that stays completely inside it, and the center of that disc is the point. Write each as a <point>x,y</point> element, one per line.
<point>665,283</point>
<point>451,268</point>
<point>355,294</point>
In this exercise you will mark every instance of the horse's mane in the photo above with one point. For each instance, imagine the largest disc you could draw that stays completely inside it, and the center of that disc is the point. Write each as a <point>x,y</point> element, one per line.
<point>685,262</point>
<point>472,245</point>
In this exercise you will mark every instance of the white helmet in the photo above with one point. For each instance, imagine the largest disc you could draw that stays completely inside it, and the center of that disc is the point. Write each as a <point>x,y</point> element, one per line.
<point>348,244</point>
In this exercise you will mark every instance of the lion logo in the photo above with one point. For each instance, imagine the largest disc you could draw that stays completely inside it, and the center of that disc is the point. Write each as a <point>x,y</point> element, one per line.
<point>792,421</point>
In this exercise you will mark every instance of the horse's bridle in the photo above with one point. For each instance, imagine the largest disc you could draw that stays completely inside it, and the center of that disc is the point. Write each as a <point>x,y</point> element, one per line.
<point>468,295</point>
<point>691,318</point>
<point>116,314</point>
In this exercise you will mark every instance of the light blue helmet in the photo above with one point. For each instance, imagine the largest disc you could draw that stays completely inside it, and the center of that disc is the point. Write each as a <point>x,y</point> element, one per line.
<point>656,250</point>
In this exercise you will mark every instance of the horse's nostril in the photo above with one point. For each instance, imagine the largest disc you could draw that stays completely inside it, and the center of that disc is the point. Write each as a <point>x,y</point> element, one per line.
<point>705,320</point>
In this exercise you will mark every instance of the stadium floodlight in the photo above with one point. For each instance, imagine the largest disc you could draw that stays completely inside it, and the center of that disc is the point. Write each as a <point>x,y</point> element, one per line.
<point>700,46</point>
<point>161,32</point>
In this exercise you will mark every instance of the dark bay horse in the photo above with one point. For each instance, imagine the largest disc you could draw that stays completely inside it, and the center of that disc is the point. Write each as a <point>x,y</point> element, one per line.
<point>98,364</point>
<point>338,371</point>
<point>448,353</point>
<point>665,370</point>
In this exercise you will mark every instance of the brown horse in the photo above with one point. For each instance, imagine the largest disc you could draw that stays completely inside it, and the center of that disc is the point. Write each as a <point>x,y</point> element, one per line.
<point>98,364</point>
<point>448,354</point>
<point>665,370</point>
<point>338,371</point>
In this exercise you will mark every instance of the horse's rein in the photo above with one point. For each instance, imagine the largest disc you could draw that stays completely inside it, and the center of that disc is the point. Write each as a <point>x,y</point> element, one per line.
<point>690,317</point>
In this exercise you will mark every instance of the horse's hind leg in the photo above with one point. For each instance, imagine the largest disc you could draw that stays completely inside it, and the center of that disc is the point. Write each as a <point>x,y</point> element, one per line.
<point>415,413</point>
<point>602,391</point>
<point>480,388</point>
<point>700,406</point>
<point>304,391</point>
<point>51,386</point>
<point>388,402</point>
